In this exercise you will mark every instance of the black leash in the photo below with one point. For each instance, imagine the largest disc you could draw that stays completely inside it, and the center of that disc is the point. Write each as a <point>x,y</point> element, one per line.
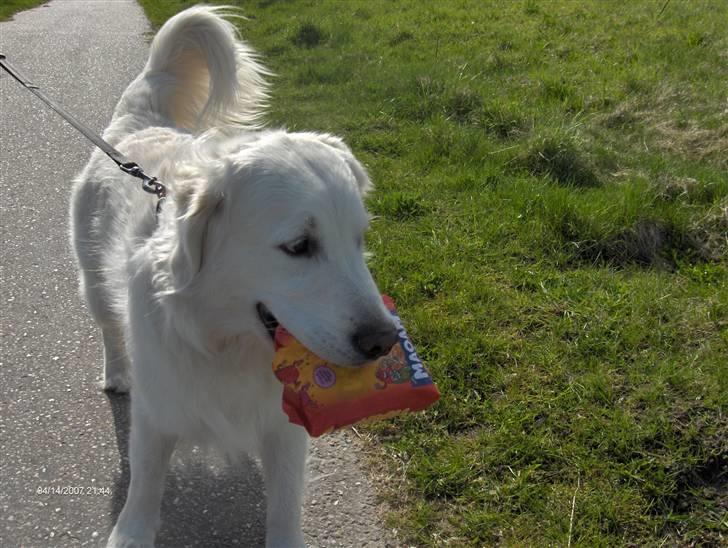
<point>149,184</point>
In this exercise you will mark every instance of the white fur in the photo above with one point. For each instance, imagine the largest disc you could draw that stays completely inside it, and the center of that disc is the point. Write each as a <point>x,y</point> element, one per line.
<point>175,295</point>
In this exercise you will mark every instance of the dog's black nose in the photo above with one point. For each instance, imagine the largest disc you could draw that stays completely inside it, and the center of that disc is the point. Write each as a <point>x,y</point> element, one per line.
<point>373,341</point>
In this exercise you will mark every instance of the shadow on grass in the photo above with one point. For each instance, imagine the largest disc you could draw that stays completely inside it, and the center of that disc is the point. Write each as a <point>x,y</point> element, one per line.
<point>560,158</point>
<point>647,243</point>
<point>308,35</point>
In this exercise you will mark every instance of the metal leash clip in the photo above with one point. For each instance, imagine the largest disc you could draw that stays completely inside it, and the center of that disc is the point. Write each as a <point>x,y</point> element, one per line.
<point>149,184</point>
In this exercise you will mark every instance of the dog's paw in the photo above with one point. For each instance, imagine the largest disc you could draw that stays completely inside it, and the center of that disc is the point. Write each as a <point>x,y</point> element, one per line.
<point>278,540</point>
<point>130,539</point>
<point>120,540</point>
<point>116,384</point>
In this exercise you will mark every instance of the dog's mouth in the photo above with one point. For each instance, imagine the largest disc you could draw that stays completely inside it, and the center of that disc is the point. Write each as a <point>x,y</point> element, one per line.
<point>267,319</point>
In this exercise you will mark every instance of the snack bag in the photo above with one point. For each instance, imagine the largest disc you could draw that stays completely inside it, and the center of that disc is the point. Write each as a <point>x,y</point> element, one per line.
<point>322,397</point>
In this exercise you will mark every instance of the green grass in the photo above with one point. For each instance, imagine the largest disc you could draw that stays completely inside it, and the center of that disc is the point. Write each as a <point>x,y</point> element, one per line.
<point>552,205</point>
<point>8,8</point>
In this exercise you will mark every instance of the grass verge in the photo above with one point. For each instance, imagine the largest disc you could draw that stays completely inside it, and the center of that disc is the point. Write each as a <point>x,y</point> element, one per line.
<point>552,206</point>
<point>8,8</point>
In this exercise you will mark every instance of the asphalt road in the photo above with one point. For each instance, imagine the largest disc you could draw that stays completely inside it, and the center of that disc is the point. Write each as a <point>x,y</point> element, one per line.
<point>63,442</point>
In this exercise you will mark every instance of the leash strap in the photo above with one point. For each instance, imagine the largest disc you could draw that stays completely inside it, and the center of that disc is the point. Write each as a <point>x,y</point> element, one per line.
<point>149,184</point>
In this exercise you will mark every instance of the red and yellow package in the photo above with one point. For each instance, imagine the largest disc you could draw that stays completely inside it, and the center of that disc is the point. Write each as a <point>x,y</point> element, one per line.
<point>322,397</point>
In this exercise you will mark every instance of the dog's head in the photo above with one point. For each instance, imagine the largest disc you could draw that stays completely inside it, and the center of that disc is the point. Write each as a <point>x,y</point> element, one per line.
<point>273,231</point>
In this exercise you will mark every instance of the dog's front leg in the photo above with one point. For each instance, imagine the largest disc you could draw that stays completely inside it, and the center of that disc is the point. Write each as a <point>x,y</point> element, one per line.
<point>284,451</point>
<point>149,454</point>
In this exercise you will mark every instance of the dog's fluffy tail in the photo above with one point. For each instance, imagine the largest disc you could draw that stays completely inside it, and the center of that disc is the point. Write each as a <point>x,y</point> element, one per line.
<point>201,75</point>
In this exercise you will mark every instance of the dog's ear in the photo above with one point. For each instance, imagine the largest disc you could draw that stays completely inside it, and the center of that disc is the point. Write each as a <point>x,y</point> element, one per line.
<point>197,202</point>
<point>360,173</point>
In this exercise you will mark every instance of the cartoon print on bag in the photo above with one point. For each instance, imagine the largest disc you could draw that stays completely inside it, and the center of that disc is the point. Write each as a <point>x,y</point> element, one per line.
<point>392,369</point>
<point>288,374</point>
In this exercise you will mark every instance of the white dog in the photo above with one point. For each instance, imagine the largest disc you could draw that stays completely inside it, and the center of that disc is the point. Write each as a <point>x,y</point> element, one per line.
<point>259,227</point>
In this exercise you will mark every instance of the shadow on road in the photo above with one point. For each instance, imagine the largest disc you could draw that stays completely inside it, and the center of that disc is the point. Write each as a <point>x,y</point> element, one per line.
<point>205,503</point>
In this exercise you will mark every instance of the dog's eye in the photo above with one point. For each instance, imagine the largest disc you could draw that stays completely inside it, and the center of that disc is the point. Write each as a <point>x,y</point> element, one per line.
<point>302,247</point>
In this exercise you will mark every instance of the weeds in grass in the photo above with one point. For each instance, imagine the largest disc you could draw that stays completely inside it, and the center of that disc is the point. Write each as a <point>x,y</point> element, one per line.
<point>561,157</point>
<point>503,122</point>
<point>400,37</point>
<point>399,206</point>
<point>308,35</point>
<point>463,105</point>
<point>682,135</point>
